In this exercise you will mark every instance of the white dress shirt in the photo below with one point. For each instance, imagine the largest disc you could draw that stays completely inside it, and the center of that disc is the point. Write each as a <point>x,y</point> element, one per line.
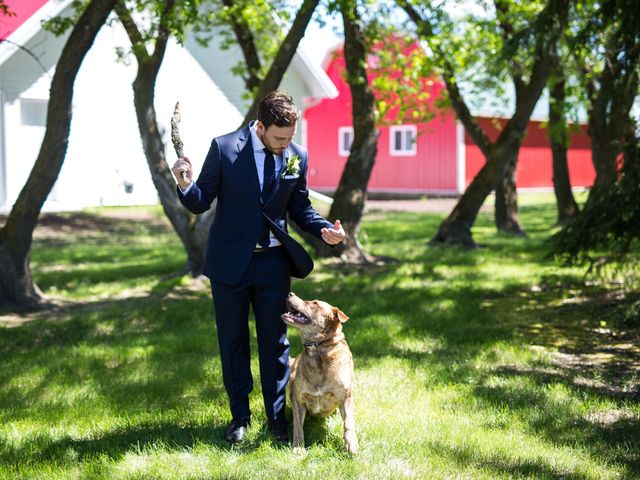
<point>259,155</point>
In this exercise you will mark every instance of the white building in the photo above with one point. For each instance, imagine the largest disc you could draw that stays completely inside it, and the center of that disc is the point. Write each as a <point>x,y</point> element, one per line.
<point>105,164</point>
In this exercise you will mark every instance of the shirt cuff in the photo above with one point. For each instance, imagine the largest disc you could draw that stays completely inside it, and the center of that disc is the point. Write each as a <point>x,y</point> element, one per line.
<point>186,189</point>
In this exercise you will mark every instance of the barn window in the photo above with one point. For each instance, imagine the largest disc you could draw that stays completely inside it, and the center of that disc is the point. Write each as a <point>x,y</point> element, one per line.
<point>402,140</point>
<point>345,139</point>
<point>33,112</point>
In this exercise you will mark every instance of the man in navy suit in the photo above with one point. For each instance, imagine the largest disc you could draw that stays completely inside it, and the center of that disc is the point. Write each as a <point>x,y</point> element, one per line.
<point>258,175</point>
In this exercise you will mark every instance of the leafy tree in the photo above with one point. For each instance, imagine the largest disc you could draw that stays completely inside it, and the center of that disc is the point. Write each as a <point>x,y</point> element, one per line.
<point>606,48</point>
<point>514,45</point>
<point>173,17</point>
<point>349,198</point>
<point>266,54</point>
<point>389,79</point>
<point>16,283</point>
<point>149,35</point>
<point>608,228</point>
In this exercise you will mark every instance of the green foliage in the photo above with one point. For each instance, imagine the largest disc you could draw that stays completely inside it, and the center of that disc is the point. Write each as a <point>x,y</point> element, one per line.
<point>266,21</point>
<point>608,227</point>
<point>5,9</point>
<point>184,15</point>
<point>604,35</point>
<point>484,47</point>
<point>402,78</point>
<point>59,25</point>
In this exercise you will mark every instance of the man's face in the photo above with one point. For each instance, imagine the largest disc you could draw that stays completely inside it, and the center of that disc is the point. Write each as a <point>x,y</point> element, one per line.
<point>276,139</point>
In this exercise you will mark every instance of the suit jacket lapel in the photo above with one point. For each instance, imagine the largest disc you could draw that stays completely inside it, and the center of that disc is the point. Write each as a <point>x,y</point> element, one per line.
<point>247,160</point>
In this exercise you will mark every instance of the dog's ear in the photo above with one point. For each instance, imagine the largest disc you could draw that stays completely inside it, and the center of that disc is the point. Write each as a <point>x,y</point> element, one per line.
<point>339,315</point>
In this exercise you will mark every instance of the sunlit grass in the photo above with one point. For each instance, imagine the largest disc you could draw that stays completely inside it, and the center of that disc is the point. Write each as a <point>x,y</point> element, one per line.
<point>456,358</point>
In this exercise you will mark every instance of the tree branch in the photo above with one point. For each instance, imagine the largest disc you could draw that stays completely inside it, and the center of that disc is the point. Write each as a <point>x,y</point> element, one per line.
<point>502,10</point>
<point>472,127</point>
<point>554,14</point>
<point>284,55</point>
<point>246,42</point>
<point>137,41</point>
<point>164,32</point>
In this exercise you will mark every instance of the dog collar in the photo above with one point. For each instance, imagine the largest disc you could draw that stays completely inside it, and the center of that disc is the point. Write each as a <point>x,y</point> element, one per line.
<point>324,343</point>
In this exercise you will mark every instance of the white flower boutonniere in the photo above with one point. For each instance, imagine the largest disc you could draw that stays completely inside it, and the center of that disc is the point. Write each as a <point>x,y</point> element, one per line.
<point>292,166</point>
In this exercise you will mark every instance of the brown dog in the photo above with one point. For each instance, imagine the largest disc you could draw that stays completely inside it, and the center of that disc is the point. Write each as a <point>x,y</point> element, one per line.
<point>322,375</point>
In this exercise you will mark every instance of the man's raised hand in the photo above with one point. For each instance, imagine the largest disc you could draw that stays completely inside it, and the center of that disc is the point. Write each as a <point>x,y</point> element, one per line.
<point>183,172</point>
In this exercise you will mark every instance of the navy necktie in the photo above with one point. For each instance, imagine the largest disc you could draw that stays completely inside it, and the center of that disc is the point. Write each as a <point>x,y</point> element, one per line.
<point>268,181</point>
<point>269,176</point>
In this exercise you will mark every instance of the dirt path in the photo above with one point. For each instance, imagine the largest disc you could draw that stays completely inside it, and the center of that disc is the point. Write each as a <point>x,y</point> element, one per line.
<point>431,205</point>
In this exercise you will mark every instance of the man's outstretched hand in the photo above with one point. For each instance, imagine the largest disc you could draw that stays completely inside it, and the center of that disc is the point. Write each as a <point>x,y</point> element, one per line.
<point>333,235</point>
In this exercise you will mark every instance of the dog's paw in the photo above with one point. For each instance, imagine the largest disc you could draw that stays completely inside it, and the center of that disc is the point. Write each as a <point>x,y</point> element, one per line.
<point>299,450</point>
<point>351,444</point>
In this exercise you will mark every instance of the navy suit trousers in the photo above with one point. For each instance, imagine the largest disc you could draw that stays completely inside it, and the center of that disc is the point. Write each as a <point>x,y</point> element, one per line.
<point>264,286</point>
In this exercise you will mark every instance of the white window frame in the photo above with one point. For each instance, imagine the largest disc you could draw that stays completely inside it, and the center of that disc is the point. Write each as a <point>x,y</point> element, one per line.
<point>341,131</point>
<point>405,150</point>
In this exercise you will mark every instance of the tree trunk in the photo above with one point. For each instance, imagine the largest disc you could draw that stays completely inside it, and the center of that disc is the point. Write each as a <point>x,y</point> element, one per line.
<point>184,223</point>
<point>610,122</point>
<point>506,208</point>
<point>559,142</point>
<point>16,284</point>
<point>456,228</point>
<point>349,199</point>
<point>604,148</point>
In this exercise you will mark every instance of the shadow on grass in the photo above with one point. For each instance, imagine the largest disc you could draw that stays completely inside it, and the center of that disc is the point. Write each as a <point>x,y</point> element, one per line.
<point>465,456</point>
<point>159,353</point>
<point>526,395</point>
<point>139,352</point>
<point>121,441</point>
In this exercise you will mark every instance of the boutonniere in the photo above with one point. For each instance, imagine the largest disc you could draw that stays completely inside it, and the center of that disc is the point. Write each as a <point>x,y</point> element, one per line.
<point>292,166</point>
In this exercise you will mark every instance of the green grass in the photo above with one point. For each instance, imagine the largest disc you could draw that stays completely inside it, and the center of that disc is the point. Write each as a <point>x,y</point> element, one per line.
<point>488,364</point>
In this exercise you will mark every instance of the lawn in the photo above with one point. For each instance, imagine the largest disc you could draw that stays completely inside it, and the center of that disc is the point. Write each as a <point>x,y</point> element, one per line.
<point>495,363</point>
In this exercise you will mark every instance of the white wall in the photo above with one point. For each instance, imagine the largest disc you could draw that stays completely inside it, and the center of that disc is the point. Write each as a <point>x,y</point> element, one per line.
<point>105,151</point>
<point>24,79</point>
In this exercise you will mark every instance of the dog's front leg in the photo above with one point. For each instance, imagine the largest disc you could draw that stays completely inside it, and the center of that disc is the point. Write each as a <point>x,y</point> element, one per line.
<point>347,410</point>
<point>299,412</point>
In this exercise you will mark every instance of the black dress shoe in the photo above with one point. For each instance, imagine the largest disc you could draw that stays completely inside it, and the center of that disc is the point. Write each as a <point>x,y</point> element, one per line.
<point>279,428</point>
<point>236,430</point>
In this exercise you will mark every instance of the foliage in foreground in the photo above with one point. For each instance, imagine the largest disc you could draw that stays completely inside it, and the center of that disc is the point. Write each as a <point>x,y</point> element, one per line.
<point>606,230</point>
<point>485,364</point>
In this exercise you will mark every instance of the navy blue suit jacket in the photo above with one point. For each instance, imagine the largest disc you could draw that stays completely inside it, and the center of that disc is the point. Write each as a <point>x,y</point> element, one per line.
<point>229,174</point>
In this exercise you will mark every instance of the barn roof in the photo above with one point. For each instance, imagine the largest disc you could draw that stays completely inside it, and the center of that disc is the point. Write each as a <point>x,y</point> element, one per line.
<point>20,12</point>
<point>16,30</point>
<point>28,15</point>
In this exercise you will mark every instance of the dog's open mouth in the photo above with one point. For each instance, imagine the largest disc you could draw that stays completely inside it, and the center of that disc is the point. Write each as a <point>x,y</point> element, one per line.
<point>295,317</point>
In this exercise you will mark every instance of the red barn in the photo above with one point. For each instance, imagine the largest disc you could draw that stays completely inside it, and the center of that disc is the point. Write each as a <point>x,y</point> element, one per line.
<point>436,157</point>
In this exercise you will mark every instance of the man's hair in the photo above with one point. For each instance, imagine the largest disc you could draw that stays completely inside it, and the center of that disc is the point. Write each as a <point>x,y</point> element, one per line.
<point>277,108</point>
